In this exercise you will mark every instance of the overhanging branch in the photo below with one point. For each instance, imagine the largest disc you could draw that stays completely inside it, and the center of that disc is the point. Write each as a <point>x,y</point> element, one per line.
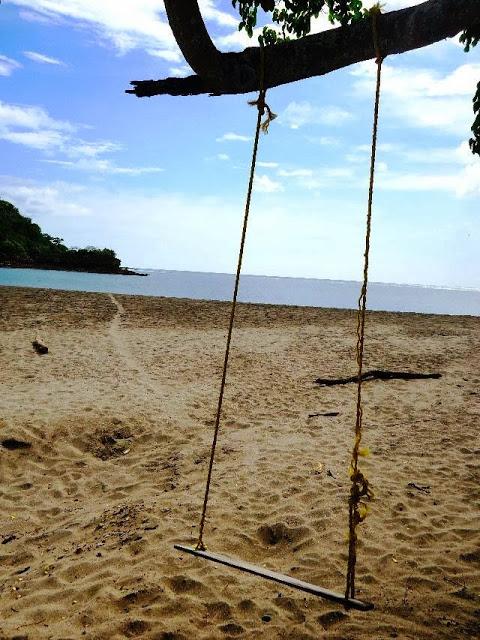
<point>192,37</point>
<point>315,55</point>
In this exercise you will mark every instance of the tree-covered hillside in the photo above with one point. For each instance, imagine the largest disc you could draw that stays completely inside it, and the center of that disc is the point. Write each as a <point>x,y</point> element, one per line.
<point>22,244</point>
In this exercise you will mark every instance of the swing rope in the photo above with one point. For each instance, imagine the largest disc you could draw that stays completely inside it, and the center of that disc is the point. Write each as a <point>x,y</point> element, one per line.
<point>360,490</point>
<point>262,107</point>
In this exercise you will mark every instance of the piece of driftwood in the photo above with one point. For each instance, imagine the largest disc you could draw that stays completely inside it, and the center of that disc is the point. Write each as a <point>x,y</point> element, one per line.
<point>424,488</point>
<point>377,374</point>
<point>39,346</point>
<point>328,414</point>
<point>261,572</point>
<point>12,444</point>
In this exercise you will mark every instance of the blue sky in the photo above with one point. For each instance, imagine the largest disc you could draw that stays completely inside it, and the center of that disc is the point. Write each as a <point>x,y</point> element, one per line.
<point>163,180</point>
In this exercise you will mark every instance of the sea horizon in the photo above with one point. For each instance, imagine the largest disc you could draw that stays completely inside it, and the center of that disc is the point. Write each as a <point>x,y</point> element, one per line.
<point>259,289</point>
<point>263,275</point>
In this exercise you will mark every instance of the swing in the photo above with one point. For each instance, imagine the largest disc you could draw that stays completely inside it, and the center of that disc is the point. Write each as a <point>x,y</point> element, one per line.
<point>360,490</point>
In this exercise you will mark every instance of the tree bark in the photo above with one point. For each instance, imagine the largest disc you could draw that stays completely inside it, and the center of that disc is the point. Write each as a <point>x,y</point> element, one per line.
<point>192,37</point>
<point>315,55</point>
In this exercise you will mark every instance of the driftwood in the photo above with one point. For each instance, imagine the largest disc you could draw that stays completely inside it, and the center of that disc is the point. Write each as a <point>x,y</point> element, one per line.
<point>328,414</point>
<point>12,444</point>
<point>39,346</point>
<point>377,374</point>
<point>424,488</point>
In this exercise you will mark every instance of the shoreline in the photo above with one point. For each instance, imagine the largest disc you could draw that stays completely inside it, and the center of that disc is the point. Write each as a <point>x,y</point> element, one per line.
<point>122,271</point>
<point>256,289</point>
<point>147,296</point>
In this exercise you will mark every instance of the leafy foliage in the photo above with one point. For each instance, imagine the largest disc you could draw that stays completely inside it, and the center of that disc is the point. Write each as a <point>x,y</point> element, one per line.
<point>475,141</point>
<point>294,18</point>
<point>22,243</point>
<point>470,38</point>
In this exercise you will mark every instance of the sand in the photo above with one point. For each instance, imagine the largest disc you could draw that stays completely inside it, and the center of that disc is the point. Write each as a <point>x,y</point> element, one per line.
<point>117,422</point>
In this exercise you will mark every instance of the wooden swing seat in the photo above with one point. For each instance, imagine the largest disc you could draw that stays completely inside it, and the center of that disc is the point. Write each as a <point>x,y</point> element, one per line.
<point>349,603</point>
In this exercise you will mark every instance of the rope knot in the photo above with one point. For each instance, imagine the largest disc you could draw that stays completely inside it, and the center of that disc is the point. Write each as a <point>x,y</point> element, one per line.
<point>262,106</point>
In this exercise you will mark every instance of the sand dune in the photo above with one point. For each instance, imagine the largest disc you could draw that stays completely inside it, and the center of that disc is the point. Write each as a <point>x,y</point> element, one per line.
<point>104,444</point>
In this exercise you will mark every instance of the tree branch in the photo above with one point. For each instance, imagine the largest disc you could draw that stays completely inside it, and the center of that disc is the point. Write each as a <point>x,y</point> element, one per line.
<point>314,55</point>
<point>192,37</point>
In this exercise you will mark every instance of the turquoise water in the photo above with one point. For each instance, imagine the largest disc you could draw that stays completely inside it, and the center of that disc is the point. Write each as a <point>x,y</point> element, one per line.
<point>291,291</point>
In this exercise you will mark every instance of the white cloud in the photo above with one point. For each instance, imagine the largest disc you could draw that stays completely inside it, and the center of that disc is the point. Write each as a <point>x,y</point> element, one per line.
<point>170,55</point>
<point>295,173</point>
<point>181,72</point>
<point>355,158</point>
<point>267,165</point>
<point>32,16</point>
<point>469,180</point>
<point>233,137</point>
<point>265,184</point>
<point>33,127</point>
<point>108,167</point>
<point>381,166</point>
<point>212,13</point>
<point>327,141</point>
<point>423,98</point>
<point>44,140</point>
<point>8,66</point>
<point>42,58</point>
<point>55,199</point>
<point>237,40</point>
<point>426,155</point>
<point>338,172</point>
<point>30,117</point>
<point>454,170</point>
<point>461,184</point>
<point>329,178</point>
<point>440,155</point>
<point>103,166</point>
<point>322,23</point>
<point>384,147</point>
<point>361,153</point>
<point>223,156</point>
<point>299,114</point>
<point>141,25</point>
<point>92,149</point>
<point>325,177</point>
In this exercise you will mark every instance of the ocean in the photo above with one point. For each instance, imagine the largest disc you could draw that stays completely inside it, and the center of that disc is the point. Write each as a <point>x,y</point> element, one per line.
<point>339,294</point>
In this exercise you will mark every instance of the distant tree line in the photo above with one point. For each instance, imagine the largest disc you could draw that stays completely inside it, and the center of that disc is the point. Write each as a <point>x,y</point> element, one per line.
<point>22,243</point>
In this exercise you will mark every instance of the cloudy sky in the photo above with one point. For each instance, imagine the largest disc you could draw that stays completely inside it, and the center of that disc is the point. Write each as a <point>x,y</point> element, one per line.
<point>162,180</point>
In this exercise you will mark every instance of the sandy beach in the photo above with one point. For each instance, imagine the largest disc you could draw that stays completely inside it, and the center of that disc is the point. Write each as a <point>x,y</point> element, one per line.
<point>104,446</point>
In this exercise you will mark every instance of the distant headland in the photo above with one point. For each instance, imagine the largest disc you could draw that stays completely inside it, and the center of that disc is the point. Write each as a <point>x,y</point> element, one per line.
<point>24,245</point>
